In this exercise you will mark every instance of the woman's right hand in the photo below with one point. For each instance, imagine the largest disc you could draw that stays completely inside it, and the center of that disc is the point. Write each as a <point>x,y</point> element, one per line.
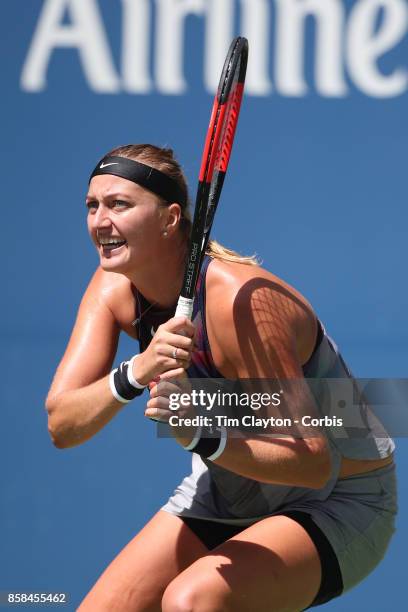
<point>170,350</point>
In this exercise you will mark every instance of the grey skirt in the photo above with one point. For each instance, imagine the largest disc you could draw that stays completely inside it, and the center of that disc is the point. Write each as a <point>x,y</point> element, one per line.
<point>357,518</point>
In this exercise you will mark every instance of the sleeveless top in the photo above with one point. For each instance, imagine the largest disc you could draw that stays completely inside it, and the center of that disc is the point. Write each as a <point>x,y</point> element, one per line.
<point>214,493</point>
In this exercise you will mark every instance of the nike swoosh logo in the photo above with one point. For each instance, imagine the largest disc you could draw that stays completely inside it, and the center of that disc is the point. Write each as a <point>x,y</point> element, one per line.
<point>110,164</point>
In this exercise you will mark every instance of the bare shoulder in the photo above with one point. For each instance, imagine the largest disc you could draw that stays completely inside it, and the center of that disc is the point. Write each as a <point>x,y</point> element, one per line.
<point>232,285</point>
<point>105,309</point>
<point>108,285</point>
<point>245,299</point>
<point>116,293</point>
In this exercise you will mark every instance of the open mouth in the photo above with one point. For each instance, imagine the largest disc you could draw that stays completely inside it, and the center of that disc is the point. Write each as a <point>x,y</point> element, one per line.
<point>111,244</point>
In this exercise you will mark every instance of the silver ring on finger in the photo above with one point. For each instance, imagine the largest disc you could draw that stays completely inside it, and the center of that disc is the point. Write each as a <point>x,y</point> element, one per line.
<point>175,353</point>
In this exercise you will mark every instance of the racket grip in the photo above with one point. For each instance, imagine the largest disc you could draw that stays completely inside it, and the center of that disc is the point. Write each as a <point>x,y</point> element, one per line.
<point>184,307</point>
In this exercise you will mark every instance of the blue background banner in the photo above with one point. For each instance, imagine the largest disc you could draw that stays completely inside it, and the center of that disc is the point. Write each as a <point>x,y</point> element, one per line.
<point>317,188</point>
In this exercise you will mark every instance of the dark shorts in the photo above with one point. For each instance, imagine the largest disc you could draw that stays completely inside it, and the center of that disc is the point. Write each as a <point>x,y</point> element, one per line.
<point>351,528</point>
<point>212,534</point>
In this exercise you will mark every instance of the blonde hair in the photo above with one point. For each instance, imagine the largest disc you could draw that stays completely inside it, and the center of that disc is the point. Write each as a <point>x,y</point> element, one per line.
<point>164,160</point>
<point>219,251</point>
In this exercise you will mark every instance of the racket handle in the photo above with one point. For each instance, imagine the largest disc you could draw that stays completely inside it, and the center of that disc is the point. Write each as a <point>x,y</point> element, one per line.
<point>184,307</point>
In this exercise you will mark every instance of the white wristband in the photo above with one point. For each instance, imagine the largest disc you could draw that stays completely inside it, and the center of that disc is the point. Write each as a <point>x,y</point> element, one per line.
<point>130,376</point>
<point>195,440</point>
<point>221,448</point>
<point>113,388</point>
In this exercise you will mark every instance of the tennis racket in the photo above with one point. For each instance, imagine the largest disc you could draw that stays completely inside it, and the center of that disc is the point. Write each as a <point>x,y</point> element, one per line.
<point>214,165</point>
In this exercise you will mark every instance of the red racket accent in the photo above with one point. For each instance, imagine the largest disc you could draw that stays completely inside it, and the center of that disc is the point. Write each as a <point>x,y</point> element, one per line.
<point>215,143</point>
<point>208,141</point>
<point>214,163</point>
<point>233,105</point>
<point>212,142</point>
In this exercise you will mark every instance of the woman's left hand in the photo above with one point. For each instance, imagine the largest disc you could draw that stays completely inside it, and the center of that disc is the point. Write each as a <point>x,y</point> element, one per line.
<point>164,392</point>
<point>165,402</point>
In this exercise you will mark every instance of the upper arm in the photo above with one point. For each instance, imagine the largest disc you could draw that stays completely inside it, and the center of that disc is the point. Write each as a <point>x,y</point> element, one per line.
<point>256,326</point>
<point>93,342</point>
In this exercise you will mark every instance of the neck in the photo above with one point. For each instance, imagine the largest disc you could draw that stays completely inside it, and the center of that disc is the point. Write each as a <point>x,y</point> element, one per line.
<point>160,281</point>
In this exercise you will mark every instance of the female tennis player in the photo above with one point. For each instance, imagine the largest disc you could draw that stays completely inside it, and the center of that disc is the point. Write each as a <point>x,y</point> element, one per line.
<point>262,523</point>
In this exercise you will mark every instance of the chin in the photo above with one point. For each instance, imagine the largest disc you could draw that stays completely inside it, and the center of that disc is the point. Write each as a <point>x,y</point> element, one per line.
<point>112,264</point>
<point>109,266</point>
<point>116,262</point>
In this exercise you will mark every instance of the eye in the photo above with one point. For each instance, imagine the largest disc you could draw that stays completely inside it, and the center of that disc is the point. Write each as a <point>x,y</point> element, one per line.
<point>120,204</point>
<point>92,206</point>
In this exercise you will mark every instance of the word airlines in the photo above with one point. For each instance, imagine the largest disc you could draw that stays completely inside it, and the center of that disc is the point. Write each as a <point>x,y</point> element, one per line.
<point>349,42</point>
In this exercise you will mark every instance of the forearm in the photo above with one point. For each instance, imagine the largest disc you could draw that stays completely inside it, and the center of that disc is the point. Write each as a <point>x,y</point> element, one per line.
<point>75,416</point>
<point>291,456</point>
<point>285,460</point>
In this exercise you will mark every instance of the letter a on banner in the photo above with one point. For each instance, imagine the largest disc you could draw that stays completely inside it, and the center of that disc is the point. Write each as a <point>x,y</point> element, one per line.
<point>86,33</point>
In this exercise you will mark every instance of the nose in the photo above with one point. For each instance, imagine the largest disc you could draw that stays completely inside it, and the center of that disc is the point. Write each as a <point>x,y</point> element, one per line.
<point>101,219</point>
<point>104,222</point>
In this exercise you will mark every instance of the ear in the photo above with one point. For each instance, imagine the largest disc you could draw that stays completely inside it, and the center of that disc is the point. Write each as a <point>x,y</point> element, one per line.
<point>172,214</point>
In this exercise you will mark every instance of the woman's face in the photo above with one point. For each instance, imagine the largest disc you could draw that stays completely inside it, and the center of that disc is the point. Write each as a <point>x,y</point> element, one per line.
<point>125,222</point>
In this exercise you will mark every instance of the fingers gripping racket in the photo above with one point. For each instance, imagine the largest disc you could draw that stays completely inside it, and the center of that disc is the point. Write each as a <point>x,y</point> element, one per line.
<point>214,165</point>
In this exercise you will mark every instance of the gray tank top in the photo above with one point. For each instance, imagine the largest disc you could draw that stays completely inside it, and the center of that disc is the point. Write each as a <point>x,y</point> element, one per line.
<point>212,492</point>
